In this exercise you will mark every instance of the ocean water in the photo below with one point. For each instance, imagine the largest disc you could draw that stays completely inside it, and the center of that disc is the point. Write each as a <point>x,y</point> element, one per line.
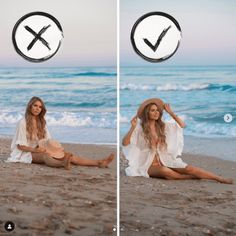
<point>201,95</point>
<point>81,102</point>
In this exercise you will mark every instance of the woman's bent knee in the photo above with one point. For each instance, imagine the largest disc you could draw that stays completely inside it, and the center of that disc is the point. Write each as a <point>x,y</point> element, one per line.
<point>191,170</point>
<point>37,158</point>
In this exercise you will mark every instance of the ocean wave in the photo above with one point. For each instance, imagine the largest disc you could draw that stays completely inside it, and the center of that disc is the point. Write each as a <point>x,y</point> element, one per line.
<point>211,130</point>
<point>96,74</point>
<point>81,74</point>
<point>179,87</point>
<point>59,75</point>
<point>76,104</point>
<point>124,119</point>
<point>60,119</point>
<point>9,117</point>
<point>104,120</point>
<point>151,74</point>
<point>69,119</point>
<point>195,128</point>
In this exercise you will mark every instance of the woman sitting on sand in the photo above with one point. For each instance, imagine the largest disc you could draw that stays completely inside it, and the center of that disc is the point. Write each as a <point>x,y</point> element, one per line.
<point>153,146</point>
<point>31,130</point>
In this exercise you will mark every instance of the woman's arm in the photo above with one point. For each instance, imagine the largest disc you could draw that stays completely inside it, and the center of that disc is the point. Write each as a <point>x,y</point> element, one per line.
<point>126,139</point>
<point>174,116</point>
<point>30,149</point>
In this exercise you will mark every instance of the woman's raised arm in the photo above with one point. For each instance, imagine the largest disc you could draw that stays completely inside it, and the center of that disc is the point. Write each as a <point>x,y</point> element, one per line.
<point>174,116</point>
<point>126,139</point>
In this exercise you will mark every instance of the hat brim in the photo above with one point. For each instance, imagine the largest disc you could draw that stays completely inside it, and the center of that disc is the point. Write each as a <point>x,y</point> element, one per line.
<point>157,101</point>
<point>56,154</point>
<point>42,142</point>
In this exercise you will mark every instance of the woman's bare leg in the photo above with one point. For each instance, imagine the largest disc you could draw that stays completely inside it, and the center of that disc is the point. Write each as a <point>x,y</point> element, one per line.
<point>167,173</point>
<point>40,158</point>
<point>82,161</point>
<point>52,162</point>
<point>202,174</point>
<point>37,158</point>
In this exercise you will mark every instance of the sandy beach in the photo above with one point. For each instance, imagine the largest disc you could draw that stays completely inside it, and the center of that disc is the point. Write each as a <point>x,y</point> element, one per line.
<point>179,207</point>
<point>50,201</point>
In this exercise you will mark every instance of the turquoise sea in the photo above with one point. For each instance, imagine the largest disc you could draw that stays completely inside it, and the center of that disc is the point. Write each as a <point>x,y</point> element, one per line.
<point>81,102</point>
<point>201,95</point>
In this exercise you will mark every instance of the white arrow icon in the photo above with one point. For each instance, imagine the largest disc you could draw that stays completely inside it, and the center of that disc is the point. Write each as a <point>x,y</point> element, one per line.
<point>228,118</point>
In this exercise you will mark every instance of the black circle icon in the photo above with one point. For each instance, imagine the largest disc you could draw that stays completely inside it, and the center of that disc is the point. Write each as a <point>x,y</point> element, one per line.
<point>9,226</point>
<point>156,36</point>
<point>37,36</point>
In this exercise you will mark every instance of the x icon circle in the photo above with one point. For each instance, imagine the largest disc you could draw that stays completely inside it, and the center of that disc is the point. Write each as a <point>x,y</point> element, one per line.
<point>37,36</point>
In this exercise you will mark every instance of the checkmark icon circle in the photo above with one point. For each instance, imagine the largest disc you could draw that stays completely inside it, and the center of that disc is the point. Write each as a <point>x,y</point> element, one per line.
<point>37,36</point>
<point>156,36</point>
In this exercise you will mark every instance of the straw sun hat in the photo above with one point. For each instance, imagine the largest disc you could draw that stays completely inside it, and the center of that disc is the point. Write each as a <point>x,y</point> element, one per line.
<point>53,148</point>
<point>157,101</point>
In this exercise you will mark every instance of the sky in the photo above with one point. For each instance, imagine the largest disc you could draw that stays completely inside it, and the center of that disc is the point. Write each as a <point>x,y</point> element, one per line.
<point>208,30</point>
<point>90,39</point>
<point>89,28</point>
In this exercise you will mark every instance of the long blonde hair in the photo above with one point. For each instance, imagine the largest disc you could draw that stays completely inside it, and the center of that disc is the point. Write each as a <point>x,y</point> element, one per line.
<point>159,125</point>
<point>40,120</point>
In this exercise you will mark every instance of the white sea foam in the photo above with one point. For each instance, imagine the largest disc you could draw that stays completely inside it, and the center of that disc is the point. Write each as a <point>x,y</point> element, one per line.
<point>166,87</point>
<point>211,130</point>
<point>187,87</point>
<point>124,119</point>
<point>69,119</point>
<point>9,118</point>
<point>131,86</point>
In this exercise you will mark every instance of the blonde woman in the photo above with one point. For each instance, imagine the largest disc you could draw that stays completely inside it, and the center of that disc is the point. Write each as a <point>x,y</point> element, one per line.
<point>30,130</point>
<point>152,146</point>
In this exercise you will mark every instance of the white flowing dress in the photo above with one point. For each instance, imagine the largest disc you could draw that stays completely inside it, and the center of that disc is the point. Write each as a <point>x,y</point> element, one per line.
<point>21,138</point>
<point>140,155</point>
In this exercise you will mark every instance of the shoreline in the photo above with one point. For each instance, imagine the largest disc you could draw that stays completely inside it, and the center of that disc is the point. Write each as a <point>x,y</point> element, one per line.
<point>222,148</point>
<point>41,200</point>
<point>72,135</point>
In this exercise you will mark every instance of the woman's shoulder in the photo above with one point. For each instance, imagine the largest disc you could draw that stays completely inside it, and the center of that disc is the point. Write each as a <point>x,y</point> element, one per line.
<point>22,122</point>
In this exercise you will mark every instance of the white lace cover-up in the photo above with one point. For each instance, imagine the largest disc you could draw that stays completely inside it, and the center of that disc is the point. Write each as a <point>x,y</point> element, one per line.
<point>21,138</point>
<point>140,155</point>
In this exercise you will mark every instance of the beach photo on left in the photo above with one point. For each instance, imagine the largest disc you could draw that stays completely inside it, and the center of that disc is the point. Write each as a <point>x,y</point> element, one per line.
<point>58,118</point>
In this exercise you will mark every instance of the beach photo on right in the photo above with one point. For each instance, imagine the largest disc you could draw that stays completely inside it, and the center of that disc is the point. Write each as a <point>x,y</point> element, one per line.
<point>177,118</point>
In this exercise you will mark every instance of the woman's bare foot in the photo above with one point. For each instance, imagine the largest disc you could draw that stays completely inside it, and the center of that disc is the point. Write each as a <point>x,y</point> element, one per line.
<point>226,181</point>
<point>106,161</point>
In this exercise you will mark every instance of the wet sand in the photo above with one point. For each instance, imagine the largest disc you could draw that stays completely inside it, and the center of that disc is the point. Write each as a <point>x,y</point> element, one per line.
<point>179,207</point>
<point>41,200</point>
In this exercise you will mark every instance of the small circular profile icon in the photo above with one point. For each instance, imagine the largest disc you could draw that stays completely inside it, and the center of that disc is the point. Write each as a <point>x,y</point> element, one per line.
<point>9,226</point>
<point>37,36</point>
<point>228,118</point>
<point>156,36</point>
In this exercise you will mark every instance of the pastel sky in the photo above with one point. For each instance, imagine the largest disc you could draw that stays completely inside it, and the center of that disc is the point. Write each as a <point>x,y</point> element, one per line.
<point>89,28</point>
<point>208,30</point>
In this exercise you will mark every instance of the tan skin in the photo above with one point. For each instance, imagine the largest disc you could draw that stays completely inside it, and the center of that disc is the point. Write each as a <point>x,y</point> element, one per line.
<point>157,170</point>
<point>37,152</point>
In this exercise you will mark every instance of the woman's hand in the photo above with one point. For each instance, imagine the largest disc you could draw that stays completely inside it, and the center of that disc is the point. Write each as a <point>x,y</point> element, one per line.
<point>126,139</point>
<point>40,149</point>
<point>168,109</point>
<point>31,149</point>
<point>174,116</point>
<point>134,121</point>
